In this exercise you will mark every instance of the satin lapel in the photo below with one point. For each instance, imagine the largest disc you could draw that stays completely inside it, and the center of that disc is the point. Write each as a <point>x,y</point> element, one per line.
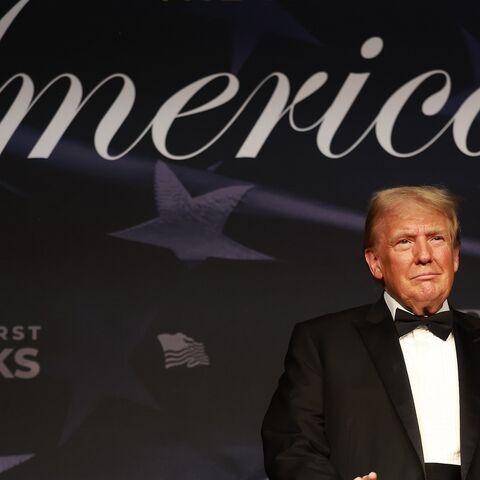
<point>467,342</point>
<point>381,340</point>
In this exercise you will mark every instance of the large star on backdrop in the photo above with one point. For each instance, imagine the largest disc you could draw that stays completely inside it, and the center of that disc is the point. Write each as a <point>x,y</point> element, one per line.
<point>9,461</point>
<point>191,227</point>
<point>96,363</point>
<point>250,20</point>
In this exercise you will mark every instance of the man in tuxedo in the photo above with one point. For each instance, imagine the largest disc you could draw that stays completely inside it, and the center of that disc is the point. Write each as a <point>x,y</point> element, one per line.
<point>390,388</point>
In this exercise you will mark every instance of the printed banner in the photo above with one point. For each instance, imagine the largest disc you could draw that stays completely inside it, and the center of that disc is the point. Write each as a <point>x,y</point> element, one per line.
<point>183,181</point>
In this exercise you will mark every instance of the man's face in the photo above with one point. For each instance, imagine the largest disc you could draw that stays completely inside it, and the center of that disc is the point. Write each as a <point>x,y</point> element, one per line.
<point>414,256</point>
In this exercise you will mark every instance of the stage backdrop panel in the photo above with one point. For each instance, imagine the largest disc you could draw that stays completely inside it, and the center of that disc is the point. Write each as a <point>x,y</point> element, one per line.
<point>183,181</point>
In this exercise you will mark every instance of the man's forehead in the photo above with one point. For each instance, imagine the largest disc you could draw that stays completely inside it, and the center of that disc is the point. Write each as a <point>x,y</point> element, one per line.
<point>419,229</point>
<point>413,219</point>
<point>414,213</point>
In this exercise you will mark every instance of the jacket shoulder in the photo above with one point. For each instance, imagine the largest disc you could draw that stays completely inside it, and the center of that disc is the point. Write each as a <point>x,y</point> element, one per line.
<point>468,318</point>
<point>334,322</point>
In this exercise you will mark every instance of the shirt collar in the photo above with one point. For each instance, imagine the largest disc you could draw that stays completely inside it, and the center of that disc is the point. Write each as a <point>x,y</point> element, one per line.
<point>392,305</point>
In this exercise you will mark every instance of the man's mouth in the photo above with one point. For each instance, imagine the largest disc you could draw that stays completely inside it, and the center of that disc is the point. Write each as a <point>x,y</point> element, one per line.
<point>425,276</point>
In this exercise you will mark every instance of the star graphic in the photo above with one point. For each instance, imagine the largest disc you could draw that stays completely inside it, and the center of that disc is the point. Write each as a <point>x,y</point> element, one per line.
<point>191,227</point>
<point>96,363</point>
<point>250,20</point>
<point>9,461</point>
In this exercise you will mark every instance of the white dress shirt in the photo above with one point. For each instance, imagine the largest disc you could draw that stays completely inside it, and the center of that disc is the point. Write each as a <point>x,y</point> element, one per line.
<point>433,374</point>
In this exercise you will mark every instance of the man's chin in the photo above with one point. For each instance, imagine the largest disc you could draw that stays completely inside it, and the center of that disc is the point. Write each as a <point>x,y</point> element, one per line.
<point>427,304</point>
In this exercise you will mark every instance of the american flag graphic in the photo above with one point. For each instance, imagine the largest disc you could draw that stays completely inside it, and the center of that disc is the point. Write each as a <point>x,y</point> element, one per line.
<point>182,350</point>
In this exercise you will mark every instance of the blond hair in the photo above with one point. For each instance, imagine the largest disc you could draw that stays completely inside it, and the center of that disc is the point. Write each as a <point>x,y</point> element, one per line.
<point>436,198</point>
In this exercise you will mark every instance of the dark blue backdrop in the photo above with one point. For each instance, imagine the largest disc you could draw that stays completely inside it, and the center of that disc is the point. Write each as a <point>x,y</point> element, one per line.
<point>181,182</point>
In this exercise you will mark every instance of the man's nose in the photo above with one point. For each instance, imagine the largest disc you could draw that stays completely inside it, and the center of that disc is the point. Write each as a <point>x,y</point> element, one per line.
<point>423,252</point>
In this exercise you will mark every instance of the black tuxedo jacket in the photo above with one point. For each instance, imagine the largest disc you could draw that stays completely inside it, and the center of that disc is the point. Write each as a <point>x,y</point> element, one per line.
<point>344,407</point>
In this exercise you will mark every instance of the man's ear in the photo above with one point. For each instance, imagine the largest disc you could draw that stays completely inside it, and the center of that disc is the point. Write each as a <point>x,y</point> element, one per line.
<point>374,263</point>
<point>456,259</point>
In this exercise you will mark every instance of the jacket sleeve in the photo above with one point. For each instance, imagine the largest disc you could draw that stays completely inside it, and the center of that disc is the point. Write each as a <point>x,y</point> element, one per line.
<point>294,441</point>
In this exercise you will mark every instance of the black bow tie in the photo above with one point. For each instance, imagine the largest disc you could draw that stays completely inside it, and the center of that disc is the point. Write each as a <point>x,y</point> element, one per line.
<point>439,324</point>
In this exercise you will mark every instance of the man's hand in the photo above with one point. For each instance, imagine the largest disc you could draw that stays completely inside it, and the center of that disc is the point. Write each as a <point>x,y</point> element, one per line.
<point>370,476</point>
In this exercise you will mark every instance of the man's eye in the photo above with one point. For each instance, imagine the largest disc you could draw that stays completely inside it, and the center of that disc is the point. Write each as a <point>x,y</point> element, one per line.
<point>403,241</point>
<point>438,237</point>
